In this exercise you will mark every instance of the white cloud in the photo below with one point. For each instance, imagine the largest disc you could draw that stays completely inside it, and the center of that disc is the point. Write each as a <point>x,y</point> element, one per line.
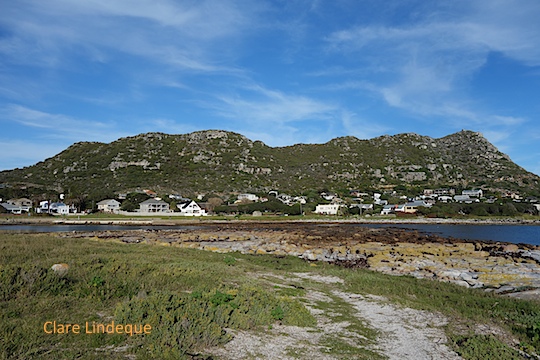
<point>167,126</point>
<point>428,62</point>
<point>266,107</point>
<point>183,35</point>
<point>361,128</point>
<point>58,125</point>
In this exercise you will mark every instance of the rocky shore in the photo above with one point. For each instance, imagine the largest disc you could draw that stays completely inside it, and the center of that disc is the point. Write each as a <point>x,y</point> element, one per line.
<point>163,220</point>
<point>498,267</point>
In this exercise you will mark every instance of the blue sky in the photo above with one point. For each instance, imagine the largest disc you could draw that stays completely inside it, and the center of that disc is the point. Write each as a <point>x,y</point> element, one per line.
<point>283,71</point>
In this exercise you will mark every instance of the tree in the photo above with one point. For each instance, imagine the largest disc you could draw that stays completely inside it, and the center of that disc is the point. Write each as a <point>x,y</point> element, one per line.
<point>133,200</point>
<point>508,209</point>
<point>213,202</point>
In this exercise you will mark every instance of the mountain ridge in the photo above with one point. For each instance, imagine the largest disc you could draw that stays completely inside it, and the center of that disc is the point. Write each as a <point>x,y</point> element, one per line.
<point>227,162</point>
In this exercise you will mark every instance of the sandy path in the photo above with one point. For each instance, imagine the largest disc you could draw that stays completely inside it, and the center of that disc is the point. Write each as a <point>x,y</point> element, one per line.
<point>404,333</point>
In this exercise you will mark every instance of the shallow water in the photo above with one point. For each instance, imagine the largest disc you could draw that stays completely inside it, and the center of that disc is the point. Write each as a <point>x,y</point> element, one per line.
<point>528,234</point>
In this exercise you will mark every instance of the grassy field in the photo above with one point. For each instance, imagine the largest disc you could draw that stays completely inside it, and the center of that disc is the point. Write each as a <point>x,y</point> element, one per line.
<point>189,297</point>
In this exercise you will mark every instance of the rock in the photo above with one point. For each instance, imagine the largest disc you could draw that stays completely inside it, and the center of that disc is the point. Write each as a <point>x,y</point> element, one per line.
<point>468,276</point>
<point>60,269</point>
<point>505,289</point>
<point>450,274</point>
<point>461,283</point>
<point>532,254</point>
<point>308,255</point>
<point>510,248</point>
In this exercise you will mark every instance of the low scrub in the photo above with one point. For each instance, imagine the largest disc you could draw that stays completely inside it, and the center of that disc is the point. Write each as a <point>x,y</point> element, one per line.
<point>190,298</point>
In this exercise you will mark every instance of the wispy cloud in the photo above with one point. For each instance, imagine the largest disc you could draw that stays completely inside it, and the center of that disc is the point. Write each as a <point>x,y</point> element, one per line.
<point>429,62</point>
<point>58,125</point>
<point>361,128</point>
<point>178,34</point>
<point>266,107</point>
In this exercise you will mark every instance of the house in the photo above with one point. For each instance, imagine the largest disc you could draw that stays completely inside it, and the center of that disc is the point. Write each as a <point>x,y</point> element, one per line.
<point>108,206</point>
<point>291,200</point>
<point>438,192</point>
<point>23,203</point>
<point>388,209</point>
<point>191,208</point>
<point>327,209</point>
<point>473,193</point>
<point>12,209</point>
<point>358,193</point>
<point>43,207</point>
<point>328,196</point>
<point>444,198</point>
<point>411,207</point>
<point>154,206</point>
<point>377,200</point>
<point>58,208</point>
<point>465,199</point>
<point>284,198</point>
<point>363,207</point>
<point>247,197</point>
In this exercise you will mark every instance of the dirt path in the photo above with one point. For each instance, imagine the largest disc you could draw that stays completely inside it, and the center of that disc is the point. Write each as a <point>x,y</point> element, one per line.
<point>405,333</point>
<point>349,326</point>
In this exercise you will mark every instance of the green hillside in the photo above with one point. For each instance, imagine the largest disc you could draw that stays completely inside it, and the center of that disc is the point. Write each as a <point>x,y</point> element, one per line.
<point>224,162</point>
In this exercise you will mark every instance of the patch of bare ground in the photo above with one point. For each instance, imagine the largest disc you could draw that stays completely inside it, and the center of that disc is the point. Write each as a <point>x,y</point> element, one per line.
<point>404,333</point>
<point>349,326</point>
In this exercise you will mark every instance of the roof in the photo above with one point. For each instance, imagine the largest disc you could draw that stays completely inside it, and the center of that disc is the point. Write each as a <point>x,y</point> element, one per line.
<point>153,201</point>
<point>58,204</point>
<point>185,204</point>
<point>416,203</point>
<point>20,199</point>
<point>107,201</point>
<point>10,207</point>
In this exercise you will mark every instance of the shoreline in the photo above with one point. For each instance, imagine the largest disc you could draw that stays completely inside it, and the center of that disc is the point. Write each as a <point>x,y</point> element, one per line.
<point>494,266</point>
<point>17,220</point>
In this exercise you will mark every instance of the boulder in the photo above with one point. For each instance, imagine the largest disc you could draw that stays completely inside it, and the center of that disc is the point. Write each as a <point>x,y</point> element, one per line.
<point>60,269</point>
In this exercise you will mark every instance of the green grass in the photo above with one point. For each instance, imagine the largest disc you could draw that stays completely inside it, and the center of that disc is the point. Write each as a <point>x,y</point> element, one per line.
<point>476,347</point>
<point>190,297</point>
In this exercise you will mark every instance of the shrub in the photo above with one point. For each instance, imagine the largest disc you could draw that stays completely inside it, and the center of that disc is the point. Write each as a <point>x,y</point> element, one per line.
<point>187,323</point>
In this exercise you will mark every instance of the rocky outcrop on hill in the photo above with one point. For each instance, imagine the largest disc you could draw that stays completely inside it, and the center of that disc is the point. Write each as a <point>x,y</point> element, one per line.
<point>221,161</point>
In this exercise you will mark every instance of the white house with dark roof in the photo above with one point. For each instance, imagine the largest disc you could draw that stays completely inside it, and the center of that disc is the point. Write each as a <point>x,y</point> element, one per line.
<point>191,208</point>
